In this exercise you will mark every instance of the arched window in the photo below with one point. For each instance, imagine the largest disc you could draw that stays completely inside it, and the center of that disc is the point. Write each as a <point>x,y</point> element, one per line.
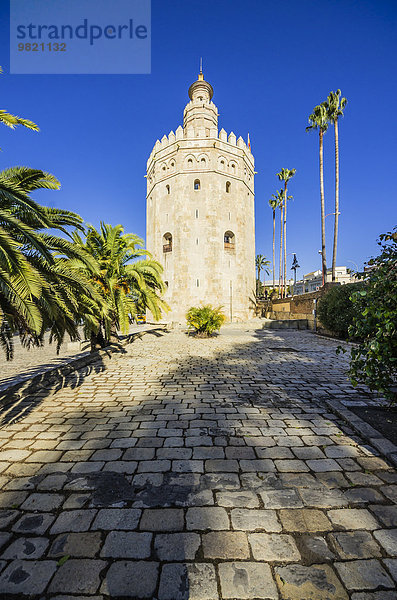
<point>197,184</point>
<point>167,187</point>
<point>167,242</point>
<point>190,163</point>
<point>228,184</point>
<point>233,168</point>
<point>229,240</point>
<point>203,162</point>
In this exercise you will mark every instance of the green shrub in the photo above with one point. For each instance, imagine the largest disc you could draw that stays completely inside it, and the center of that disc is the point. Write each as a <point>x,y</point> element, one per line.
<point>205,320</point>
<point>335,309</point>
<point>374,360</point>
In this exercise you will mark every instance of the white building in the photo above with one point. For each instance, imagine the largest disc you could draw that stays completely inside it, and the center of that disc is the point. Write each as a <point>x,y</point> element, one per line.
<point>312,282</point>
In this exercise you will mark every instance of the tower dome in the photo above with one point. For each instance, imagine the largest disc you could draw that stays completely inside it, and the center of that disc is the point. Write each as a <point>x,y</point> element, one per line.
<point>201,90</point>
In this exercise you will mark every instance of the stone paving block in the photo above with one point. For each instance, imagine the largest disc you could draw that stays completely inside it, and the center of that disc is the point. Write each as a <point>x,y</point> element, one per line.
<point>42,502</point>
<point>77,501</point>
<point>221,481</point>
<point>304,520</point>
<point>208,452</point>
<point>223,466</point>
<point>73,520</point>
<point>78,576</point>
<point>255,520</point>
<point>391,565</point>
<point>390,491</point>
<point>27,577</point>
<point>321,465</point>
<point>225,545</point>
<point>274,452</point>
<point>153,466</point>
<point>14,455</point>
<point>291,466</point>
<point>258,465</point>
<point>187,466</point>
<point>353,518</point>
<point>322,498</point>
<point>363,575</point>
<point>240,452</point>
<point>383,595</point>
<point>117,518</point>
<point>364,479</point>
<point>188,582</point>
<point>177,546</point>
<point>363,496</point>
<point>243,499</point>
<point>284,498</point>
<point>273,547</point>
<point>33,523</point>
<point>317,582</point>
<point>212,518</point>
<point>52,483</point>
<point>355,544</point>
<point>387,538</point>
<point>75,544</point>
<point>314,549</point>
<point>127,544</point>
<point>139,454</point>
<point>136,579</point>
<point>342,451</point>
<point>387,515</point>
<point>333,479</point>
<point>12,499</point>
<point>242,580</point>
<point>4,538</point>
<point>26,548</point>
<point>162,519</point>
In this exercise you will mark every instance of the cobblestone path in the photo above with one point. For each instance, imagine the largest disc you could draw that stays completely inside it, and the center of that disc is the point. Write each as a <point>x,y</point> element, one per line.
<point>197,469</point>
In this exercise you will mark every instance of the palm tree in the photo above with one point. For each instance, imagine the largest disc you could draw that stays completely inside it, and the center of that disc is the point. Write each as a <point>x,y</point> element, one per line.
<point>276,201</point>
<point>12,120</point>
<point>125,279</point>
<point>40,288</point>
<point>335,105</point>
<point>273,203</point>
<point>261,264</point>
<point>285,175</point>
<point>319,120</point>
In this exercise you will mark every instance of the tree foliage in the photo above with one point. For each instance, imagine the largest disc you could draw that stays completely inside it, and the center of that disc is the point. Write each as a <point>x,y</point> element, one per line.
<point>205,320</point>
<point>374,359</point>
<point>40,287</point>
<point>128,282</point>
<point>335,309</point>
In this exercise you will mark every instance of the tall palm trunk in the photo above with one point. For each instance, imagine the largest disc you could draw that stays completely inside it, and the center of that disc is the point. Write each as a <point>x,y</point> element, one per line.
<point>274,247</point>
<point>280,278</point>
<point>285,240</point>
<point>321,156</point>
<point>336,222</point>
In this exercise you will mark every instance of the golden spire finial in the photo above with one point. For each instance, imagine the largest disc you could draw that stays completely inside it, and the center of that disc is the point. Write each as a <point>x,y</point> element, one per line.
<point>201,76</point>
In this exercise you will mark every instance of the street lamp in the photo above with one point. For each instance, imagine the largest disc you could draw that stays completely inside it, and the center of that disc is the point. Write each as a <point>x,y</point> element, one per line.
<point>295,266</point>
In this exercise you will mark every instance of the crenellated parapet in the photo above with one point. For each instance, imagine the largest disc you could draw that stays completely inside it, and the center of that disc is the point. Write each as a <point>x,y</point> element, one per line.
<point>221,151</point>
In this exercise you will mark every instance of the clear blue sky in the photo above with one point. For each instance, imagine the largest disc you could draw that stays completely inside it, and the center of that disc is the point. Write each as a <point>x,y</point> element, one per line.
<point>270,63</point>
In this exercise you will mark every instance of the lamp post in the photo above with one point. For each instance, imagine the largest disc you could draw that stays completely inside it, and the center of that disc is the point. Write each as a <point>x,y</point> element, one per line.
<point>295,266</point>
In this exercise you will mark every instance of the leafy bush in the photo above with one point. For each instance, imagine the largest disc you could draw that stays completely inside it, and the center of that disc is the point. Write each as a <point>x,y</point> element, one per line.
<point>205,320</point>
<point>335,309</point>
<point>374,360</point>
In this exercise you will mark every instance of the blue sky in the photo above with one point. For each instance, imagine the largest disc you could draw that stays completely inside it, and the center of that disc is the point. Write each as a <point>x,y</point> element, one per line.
<point>270,63</point>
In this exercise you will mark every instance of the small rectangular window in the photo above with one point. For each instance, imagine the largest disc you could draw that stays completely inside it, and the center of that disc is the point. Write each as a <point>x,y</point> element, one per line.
<point>197,213</point>
<point>197,283</point>
<point>230,216</point>
<point>196,241</point>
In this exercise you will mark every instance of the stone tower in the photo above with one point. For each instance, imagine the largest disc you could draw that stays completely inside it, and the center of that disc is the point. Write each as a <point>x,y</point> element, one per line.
<point>200,213</point>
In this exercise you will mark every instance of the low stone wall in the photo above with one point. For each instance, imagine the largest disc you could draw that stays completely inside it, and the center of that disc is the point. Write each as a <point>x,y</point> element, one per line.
<point>296,307</point>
